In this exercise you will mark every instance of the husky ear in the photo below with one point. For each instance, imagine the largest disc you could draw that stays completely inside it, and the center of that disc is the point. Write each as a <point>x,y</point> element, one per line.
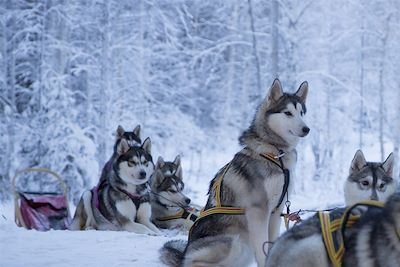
<point>136,131</point>
<point>147,145</point>
<point>388,165</point>
<point>120,131</point>
<point>358,162</point>
<point>275,92</point>
<point>177,160</point>
<point>122,147</point>
<point>302,91</point>
<point>160,162</point>
<point>178,172</point>
<point>158,178</point>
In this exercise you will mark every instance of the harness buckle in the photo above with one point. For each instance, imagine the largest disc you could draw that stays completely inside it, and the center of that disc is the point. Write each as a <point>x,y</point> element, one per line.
<point>287,204</point>
<point>280,155</point>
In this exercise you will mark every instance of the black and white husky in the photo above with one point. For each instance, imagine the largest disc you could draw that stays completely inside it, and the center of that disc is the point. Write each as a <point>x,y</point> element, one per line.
<point>246,196</point>
<point>121,201</point>
<point>304,242</point>
<point>375,239</point>
<point>169,206</point>
<point>132,138</point>
<point>369,180</point>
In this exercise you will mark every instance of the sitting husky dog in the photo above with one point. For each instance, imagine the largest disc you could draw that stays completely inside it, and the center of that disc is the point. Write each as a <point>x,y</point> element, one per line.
<point>369,180</point>
<point>133,139</point>
<point>121,200</point>
<point>246,196</point>
<point>169,206</point>
<point>303,246</point>
<point>375,239</point>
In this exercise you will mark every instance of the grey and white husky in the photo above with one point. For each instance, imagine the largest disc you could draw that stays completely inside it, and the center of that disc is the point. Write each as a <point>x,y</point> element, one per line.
<point>252,185</point>
<point>304,243</point>
<point>169,206</point>
<point>121,200</point>
<point>375,239</point>
<point>132,138</point>
<point>369,180</point>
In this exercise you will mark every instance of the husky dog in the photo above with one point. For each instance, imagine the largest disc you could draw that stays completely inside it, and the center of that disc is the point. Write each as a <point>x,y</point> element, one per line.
<point>304,243</point>
<point>252,185</point>
<point>369,180</point>
<point>132,138</point>
<point>169,206</point>
<point>121,200</point>
<point>375,239</point>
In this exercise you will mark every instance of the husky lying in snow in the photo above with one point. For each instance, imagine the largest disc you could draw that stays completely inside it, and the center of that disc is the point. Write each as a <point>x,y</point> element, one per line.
<point>121,200</point>
<point>303,245</point>
<point>169,206</point>
<point>246,196</point>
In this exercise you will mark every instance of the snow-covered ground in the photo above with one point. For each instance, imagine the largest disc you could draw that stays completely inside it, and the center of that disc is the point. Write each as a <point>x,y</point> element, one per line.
<point>20,247</point>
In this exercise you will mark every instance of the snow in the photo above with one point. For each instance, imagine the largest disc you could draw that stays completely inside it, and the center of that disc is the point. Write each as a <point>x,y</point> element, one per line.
<point>191,74</point>
<point>21,247</point>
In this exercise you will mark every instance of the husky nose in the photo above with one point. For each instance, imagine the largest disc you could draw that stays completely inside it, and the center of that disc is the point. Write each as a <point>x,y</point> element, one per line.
<point>142,174</point>
<point>187,200</point>
<point>306,130</point>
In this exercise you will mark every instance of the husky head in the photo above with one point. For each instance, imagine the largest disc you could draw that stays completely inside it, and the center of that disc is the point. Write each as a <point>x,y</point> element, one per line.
<point>167,184</point>
<point>369,180</point>
<point>132,138</point>
<point>279,119</point>
<point>134,164</point>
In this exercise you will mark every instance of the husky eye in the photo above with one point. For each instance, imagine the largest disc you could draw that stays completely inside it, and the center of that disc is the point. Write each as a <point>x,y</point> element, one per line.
<point>382,186</point>
<point>288,113</point>
<point>131,163</point>
<point>365,183</point>
<point>172,191</point>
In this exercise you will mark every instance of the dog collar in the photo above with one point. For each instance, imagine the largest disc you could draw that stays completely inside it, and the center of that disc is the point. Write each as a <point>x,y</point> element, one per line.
<point>136,198</point>
<point>274,158</point>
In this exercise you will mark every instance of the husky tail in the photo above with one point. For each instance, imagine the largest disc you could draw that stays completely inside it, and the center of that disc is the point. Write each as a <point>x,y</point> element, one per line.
<point>172,253</point>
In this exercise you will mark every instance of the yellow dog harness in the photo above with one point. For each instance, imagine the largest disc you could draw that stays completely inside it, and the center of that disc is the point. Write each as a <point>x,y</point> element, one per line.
<point>187,214</point>
<point>332,228</point>
<point>218,208</point>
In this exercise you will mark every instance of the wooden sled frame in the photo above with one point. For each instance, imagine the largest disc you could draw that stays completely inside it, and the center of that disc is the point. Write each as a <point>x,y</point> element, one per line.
<point>18,216</point>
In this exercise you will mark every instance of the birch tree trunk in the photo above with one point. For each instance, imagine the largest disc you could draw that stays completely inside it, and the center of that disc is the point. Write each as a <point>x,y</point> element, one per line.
<point>11,85</point>
<point>104,88</point>
<point>275,39</point>
<point>361,115</point>
<point>231,69</point>
<point>143,61</point>
<point>382,110</point>
<point>255,50</point>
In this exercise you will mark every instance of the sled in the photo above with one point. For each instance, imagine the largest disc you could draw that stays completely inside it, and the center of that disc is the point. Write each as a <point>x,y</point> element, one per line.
<point>41,211</point>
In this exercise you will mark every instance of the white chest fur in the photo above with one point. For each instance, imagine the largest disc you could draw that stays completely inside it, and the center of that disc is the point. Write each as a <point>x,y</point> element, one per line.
<point>127,209</point>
